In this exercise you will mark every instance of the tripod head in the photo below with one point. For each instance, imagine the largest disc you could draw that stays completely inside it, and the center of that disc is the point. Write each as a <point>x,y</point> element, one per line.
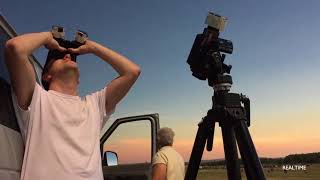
<point>206,59</point>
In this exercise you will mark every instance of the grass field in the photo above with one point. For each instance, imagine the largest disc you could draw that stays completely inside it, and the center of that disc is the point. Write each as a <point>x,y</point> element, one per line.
<point>312,173</point>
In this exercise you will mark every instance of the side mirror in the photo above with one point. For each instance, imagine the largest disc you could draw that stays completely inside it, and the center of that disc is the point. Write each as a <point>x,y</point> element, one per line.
<point>110,158</point>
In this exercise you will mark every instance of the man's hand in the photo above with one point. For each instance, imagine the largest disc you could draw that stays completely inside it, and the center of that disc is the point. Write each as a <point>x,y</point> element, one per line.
<point>88,47</point>
<point>53,44</point>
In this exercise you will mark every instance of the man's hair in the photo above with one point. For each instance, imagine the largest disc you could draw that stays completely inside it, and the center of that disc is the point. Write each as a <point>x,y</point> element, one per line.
<point>45,69</point>
<point>165,137</point>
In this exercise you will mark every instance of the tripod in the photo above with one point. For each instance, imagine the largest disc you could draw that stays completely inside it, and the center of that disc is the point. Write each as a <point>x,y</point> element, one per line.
<point>230,110</point>
<point>234,120</point>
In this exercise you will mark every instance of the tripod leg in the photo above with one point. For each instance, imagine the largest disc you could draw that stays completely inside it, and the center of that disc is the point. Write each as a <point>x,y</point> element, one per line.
<point>231,152</point>
<point>197,150</point>
<point>246,169</point>
<point>249,155</point>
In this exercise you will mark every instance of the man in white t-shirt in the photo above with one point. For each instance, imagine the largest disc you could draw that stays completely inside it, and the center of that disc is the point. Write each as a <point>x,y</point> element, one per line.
<point>167,164</point>
<point>61,131</point>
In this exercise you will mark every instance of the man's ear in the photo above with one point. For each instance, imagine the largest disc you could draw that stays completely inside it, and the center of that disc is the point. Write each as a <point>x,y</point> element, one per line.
<point>47,77</point>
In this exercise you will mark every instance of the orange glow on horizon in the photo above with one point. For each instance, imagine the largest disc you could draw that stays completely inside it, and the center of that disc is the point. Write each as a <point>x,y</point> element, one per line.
<point>129,151</point>
<point>273,136</point>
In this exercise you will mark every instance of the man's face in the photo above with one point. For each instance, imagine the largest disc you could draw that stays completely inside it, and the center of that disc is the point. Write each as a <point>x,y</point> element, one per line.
<point>61,67</point>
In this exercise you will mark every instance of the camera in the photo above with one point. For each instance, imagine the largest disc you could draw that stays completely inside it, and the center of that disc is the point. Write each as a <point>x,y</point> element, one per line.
<point>206,58</point>
<point>230,110</point>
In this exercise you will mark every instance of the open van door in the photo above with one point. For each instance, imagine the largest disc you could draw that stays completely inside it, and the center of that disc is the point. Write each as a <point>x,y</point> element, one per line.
<point>128,146</point>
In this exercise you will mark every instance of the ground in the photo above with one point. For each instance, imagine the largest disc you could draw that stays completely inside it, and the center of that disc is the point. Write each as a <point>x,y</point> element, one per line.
<point>312,173</point>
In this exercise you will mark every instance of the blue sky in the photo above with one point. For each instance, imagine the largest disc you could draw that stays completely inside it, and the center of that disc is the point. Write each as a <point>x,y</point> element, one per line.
<point>275,59</point>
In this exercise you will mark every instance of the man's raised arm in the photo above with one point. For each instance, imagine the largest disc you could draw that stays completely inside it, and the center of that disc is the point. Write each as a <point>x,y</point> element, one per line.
<point>127,70</point>
<point>20,69</point>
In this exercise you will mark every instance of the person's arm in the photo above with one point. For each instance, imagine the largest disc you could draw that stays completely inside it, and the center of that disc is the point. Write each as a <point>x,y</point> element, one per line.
<point>20,69</point>
<point>159,172</point>
<point>128,71</point>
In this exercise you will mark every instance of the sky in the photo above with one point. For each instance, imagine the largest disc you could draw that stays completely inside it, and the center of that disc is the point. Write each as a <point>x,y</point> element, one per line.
<point>275,62</point>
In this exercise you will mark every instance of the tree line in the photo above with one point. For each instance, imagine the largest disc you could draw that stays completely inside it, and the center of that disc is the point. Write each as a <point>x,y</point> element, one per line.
<point>309,158</point>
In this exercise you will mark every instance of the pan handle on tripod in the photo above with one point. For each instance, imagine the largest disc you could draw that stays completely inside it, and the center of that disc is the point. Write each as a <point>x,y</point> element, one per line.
<point>246,103</point>
<point>210,137</point>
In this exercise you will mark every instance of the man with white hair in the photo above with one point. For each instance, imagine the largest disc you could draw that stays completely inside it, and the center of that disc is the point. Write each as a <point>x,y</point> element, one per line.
<point>167,164</point>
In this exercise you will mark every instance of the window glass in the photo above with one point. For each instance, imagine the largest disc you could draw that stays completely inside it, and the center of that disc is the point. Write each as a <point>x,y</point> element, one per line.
<point>7,114</point>
<point>38,70</point>
<point>131,141</point>
<point>3,71</point>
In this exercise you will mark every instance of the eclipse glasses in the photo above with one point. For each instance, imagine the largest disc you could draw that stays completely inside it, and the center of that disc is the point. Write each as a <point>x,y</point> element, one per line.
<point>58,33</point>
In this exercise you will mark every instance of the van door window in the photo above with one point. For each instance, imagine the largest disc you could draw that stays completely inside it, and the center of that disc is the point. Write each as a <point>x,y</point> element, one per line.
<point>131,141</point>
<point>7,114</point>
<point>3,70</point>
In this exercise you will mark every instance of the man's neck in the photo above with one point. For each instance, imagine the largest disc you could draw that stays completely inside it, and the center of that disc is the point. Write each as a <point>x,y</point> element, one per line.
<point>65,87</point>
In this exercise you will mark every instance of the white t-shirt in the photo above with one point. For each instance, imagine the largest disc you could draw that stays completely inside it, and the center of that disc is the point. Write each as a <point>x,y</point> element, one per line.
<point>173,160</point>
<point>62,136</point>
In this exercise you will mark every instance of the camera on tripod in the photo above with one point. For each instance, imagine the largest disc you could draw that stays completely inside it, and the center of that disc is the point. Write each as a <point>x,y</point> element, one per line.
<point>58,33</point>
<point>206,58</point>
<point>230,110</point>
